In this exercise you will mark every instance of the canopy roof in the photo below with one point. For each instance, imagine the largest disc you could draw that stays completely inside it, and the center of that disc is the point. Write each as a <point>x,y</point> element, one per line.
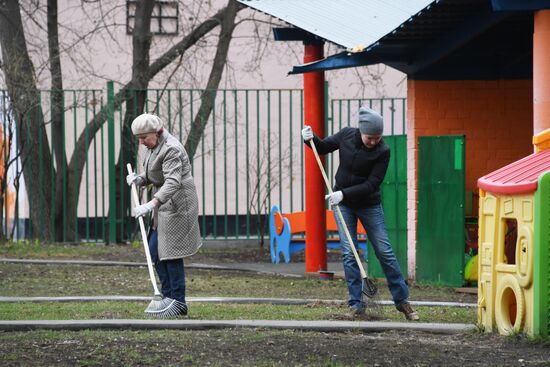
<point>441,39</point>
<point>346,23</point>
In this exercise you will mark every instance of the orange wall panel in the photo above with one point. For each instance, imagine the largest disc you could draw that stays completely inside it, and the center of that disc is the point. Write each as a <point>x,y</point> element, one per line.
<point>495,116</point>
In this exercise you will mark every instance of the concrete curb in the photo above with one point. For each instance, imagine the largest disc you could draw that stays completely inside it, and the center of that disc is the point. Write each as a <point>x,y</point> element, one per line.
<point>244,300</point>
<point>321,326</point>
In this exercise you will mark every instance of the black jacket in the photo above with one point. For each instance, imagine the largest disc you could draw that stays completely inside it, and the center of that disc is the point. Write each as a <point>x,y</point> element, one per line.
<point>361,170</point>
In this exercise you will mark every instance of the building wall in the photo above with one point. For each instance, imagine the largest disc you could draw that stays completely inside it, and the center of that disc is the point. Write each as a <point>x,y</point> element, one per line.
<point>496,118</point>
<point>96,48</point>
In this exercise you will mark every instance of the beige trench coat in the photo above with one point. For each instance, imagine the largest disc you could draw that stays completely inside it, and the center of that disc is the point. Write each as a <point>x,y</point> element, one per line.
<point>167,168</point>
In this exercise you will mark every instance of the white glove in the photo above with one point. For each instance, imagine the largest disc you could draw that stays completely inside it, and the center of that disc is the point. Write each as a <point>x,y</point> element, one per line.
<point>307,133</point>
<point>335,198</point>
<point>143,209</point>
<point>133,178</point>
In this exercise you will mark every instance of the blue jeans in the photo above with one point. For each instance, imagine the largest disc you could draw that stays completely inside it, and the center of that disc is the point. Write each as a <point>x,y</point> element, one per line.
<point>171,273</point>
<point>372,219</point>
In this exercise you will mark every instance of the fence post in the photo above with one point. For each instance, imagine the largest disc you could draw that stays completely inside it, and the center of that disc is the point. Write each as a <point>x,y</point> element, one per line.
<point>111,157</point>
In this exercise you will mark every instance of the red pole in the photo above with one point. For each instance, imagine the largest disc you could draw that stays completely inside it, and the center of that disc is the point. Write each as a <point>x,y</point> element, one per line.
<point>541,72</point>
<point>314,115</point>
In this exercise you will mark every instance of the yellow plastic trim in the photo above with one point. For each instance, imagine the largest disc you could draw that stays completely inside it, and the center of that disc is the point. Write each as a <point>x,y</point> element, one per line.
<point>506,268</point>
<point>541,141</point>
<point>506,287</point>
<point>481,304</point>
<point>524,253</point>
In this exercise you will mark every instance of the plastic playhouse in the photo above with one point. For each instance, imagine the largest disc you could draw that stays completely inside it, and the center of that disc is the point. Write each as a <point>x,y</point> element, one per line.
<point>514,242</point>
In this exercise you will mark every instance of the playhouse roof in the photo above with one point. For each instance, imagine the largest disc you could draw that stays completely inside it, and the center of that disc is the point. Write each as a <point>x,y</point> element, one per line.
<point>517,177</point>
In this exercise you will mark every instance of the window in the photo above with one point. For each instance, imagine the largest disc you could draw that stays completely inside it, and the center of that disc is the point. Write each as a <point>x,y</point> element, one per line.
<point>164,19</point>
<point>510,240</point>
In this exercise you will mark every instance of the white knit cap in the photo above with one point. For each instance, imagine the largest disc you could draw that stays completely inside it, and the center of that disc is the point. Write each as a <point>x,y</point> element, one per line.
<point>146,123</point>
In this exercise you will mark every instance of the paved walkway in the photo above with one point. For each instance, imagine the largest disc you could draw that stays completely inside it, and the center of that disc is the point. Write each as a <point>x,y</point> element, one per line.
<point>321,325</point>
<point>241,300</point>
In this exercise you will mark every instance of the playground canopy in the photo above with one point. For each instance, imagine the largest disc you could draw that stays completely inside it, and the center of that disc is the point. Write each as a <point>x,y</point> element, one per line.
<point>344,23</point>
<point>446,39</point>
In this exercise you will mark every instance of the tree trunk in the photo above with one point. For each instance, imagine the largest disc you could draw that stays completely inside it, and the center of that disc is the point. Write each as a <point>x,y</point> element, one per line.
<point>76,166</point>
<point>209,96</point>
<point>31,134</point>
<point>65,232</point>
<point>135,102</point>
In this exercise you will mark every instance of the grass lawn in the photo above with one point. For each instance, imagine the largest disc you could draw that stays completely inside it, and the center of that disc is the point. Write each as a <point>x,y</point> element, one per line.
<point>228,347</point>
<point>25,280</point>
<point>221,311</point>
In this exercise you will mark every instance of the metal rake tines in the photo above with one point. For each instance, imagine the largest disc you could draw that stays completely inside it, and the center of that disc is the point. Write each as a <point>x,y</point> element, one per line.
<point>369,288</point>
<point>167,307</point>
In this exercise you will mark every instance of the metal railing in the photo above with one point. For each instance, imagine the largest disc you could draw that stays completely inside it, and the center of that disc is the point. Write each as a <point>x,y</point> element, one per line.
<point>249,157</point>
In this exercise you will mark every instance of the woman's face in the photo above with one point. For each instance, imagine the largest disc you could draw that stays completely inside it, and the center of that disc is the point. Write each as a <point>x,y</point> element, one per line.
<point>371,141</point>
<point>150,140</point>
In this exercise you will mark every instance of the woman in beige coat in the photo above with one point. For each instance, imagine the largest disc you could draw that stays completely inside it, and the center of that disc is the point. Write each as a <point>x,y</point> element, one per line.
<point>175,230</point>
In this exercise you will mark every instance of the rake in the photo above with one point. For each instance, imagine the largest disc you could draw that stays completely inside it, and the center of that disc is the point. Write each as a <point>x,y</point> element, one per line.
<point>159,306</point>
<point>368,288</point>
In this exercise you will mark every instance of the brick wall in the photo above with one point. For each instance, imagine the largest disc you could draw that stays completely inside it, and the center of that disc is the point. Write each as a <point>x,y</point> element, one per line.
<point>496,118</point>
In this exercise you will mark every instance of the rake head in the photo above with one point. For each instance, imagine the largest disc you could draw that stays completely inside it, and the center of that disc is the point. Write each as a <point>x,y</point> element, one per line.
<point>166,307</point>
<point>369,289</point>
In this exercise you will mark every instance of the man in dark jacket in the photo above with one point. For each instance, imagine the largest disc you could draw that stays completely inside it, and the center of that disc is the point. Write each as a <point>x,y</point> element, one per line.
<point>364,159</point>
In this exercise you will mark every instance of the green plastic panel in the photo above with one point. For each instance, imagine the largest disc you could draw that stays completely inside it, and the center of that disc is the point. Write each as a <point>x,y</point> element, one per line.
<point>440,224</point>
<point>394,202</point>
<point>541,266</point>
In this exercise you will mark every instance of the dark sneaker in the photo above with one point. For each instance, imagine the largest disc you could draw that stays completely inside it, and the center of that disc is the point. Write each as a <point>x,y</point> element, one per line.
<point>410,314</point>
<point>181,308</point>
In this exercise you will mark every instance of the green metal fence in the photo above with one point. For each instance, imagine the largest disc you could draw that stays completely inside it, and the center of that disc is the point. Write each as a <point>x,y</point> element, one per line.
<point>249,157</point>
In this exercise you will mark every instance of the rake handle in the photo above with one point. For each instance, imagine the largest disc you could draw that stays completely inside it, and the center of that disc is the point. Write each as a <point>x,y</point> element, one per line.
<point>144,235</point>
<point>339,213</point>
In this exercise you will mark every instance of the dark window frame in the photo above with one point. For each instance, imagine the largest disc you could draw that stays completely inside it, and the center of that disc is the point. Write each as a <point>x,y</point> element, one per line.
<point>156,20</point>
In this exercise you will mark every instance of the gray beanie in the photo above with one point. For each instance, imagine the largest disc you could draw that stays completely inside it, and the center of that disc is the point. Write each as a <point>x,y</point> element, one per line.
<point>370,122</point>
<point>146,123</point>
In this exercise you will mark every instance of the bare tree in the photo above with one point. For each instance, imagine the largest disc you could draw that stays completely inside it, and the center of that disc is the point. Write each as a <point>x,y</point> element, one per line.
<point>264,178</point>
<point>25,97</point>
<point>9,179</point>
<point>58,129</point>
<point>21,82</point>
<point>208,98</point>
<point>135,101</point>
